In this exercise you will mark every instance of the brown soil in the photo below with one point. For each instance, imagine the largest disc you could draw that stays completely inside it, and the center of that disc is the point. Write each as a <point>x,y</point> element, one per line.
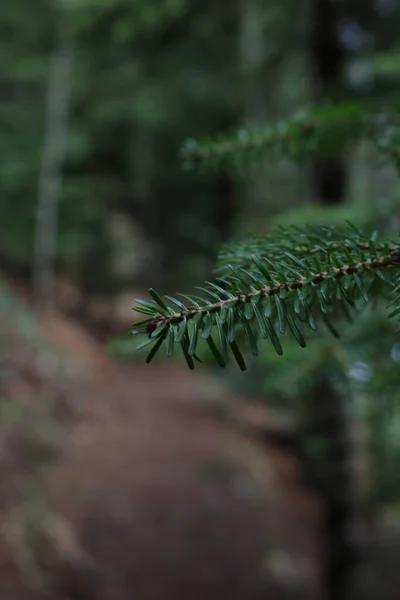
<point>201,508</point>
<point>152,496</point>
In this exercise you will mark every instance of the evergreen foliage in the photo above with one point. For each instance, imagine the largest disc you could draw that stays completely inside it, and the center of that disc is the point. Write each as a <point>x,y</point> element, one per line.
<point>296,277</point>
<point>322,131</point>
<point>304,285</point>
<point>286,282</point>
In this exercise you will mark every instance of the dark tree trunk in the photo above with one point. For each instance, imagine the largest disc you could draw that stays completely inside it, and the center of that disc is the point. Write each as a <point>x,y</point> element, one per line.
<point>327,407</point>
<point>326,61</point>
<point>225,208</point>
<point>331,474</point>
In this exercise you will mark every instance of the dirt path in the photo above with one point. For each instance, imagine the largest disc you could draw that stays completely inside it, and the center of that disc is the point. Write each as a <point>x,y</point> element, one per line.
<point>168,502</point>
<point>155,497</point>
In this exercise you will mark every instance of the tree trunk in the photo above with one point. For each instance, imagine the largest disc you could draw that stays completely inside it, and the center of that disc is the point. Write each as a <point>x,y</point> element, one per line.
<point>331,474</point>
<point>50,179</point>
<point>328,409</point>
<point>326,61</point>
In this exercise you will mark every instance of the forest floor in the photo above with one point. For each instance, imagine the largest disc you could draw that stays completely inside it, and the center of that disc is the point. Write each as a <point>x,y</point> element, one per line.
<point>125,481</point>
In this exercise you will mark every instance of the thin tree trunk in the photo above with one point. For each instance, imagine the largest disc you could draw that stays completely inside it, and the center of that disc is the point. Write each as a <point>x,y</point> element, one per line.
<point>50,178</point>
<point>328,409</point>
<point>328,422</point>
<point>225,207</point>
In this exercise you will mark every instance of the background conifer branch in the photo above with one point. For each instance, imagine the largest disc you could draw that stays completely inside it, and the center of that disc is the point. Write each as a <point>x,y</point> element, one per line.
<point>322,131</point>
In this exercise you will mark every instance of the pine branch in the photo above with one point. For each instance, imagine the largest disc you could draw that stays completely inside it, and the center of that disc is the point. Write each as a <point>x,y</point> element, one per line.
<point>270,296</point>
<point>321,132</point>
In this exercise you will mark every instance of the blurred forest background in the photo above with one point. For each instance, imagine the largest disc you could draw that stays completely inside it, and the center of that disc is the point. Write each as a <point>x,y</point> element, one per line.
<point>150,480</point>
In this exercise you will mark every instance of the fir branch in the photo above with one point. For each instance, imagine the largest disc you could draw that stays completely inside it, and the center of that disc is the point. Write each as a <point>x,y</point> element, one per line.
<point>269,297</point>
<point>302,241</point>
<point>319,132</point>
